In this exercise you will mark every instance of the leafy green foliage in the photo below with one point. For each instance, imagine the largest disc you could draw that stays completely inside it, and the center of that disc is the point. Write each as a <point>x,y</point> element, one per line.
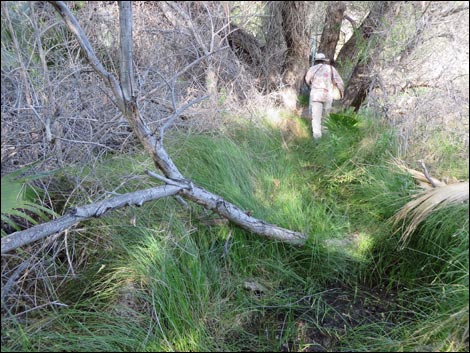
<point>342,120</point>
<point>18,195</point>
<point>303,100</point>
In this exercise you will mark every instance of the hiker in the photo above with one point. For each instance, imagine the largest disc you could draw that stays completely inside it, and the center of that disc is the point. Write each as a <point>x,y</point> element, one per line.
<point>325,86</point>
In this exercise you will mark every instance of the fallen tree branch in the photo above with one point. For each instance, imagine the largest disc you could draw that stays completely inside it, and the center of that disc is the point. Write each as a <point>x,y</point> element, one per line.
<point>78,214</point>
<point>425,181</point>
<point>240,218</point>
<point>233,213</point>
<point>154,145</point>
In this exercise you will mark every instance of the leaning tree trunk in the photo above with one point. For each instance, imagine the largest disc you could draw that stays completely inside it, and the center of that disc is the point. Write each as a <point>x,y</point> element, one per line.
<point>152,141</point>
<point>358,85</point>
<point>332,29</point>
<point>354,49</point>
<point>296,36</point>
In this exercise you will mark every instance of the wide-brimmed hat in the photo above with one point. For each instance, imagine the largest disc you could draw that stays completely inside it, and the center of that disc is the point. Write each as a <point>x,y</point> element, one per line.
<point>321,57</point>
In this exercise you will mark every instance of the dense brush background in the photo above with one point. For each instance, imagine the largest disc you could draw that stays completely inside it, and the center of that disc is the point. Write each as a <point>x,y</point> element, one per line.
<point>167,278</point>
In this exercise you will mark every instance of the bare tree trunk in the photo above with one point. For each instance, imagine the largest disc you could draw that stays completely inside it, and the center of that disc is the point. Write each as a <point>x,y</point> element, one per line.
<point>355,48</point>
<point>332,29</point>
<point>153,144</point>
<point>297,41</point>
<point>359,84</point>
<point>126,70</point>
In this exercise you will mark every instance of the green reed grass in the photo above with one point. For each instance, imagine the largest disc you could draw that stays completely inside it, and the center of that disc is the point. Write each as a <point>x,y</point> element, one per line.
<point>174,283</point>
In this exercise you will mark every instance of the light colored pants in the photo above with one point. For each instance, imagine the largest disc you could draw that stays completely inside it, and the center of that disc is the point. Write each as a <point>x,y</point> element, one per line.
<point>319,109</point>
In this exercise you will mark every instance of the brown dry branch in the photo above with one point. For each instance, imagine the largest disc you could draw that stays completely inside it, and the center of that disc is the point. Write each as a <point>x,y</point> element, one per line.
<point>424,181</point>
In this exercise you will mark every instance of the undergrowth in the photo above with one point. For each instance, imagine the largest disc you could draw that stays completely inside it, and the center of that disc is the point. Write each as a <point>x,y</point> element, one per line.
<point>184,280</point>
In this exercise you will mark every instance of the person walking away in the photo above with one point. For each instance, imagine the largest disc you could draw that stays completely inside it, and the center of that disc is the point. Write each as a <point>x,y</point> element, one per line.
<point>325,85</point>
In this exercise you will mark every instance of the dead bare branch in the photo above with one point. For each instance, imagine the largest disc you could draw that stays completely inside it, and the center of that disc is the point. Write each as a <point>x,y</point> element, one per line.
<point>426,174</point>
<point>76,29</point>
<point>78,214</point>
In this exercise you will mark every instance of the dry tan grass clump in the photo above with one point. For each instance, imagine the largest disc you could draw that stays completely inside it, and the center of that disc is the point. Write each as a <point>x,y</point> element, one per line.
<point>427,202</point>
<point>431,199</point>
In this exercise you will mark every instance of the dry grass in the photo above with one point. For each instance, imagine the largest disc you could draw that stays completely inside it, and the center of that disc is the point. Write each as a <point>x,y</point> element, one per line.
<point>427,202</point>
<point>431,199</point>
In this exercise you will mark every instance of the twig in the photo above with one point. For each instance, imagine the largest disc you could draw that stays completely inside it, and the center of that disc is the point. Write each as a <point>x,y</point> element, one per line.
<point>426,174</point>
<point>162,178</point>
<point>85,142</point>
<point>67,253</point>
<point>6,288</point>
<point>182,202</point>
<point>197,61</point>
<point>351,20</point>
<point>227,244</point>
<point>55,302</point>
<point>178,113</point>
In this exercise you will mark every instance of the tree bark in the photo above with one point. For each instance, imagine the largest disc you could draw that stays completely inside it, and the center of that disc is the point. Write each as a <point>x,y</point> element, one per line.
<point>350,53</point>
<point>297,39</point>
<point>332,29</point>
<point>358,85</point>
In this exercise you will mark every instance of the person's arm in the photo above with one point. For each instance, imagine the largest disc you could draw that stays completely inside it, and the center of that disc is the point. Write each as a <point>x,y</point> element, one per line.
<point>310,75</point>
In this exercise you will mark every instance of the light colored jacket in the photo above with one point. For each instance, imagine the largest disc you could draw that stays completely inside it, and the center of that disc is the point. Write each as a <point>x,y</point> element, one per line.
<point>319,77</point>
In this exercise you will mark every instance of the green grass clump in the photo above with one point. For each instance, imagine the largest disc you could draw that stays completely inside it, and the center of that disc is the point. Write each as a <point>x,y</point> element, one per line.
<point>303,100</point>
<point>175,282</point>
